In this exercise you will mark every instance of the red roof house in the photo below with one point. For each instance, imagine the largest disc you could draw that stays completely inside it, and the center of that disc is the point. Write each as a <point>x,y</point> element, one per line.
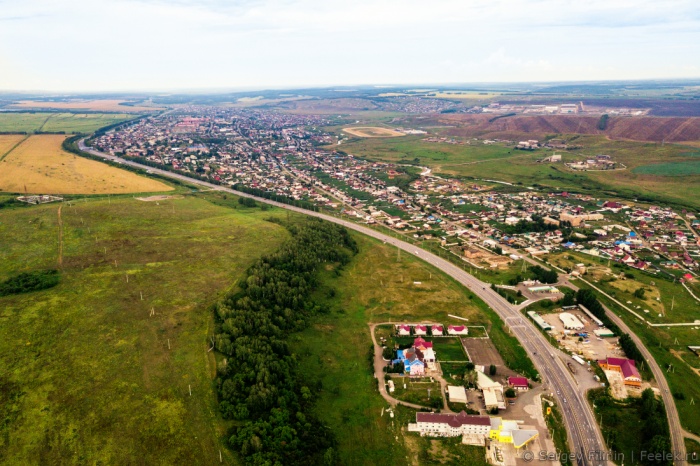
<point>626,367</point>
<point>518,383</point>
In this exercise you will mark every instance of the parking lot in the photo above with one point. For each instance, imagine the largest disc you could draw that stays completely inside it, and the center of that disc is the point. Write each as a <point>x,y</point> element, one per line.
<point>590,347</point>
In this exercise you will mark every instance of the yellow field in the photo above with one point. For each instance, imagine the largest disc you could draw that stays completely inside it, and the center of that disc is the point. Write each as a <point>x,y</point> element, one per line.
<point>39,166</point>
<point>372,132</point>
<point>7,142</point>
<point>106,105</point>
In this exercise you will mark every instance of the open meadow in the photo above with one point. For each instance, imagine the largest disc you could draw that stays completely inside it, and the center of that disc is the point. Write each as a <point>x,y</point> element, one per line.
<point>98,370</point>
<point>96,105</point>
<point>25,122</point>
<point>644,178</point>
<point>40,166</point>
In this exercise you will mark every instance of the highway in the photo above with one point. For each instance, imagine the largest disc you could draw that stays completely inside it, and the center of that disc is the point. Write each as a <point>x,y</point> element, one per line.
<point>585,436</point>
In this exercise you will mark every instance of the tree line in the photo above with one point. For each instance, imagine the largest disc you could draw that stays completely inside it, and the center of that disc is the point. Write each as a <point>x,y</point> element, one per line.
<point>258,384</point>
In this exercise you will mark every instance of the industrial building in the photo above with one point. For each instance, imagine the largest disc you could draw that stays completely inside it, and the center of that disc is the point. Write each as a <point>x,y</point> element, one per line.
<point>539,321</point>
<point>570,321</point>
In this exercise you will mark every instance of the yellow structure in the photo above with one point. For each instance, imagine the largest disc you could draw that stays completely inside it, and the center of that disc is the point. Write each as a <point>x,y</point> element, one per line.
<point>510,432</point>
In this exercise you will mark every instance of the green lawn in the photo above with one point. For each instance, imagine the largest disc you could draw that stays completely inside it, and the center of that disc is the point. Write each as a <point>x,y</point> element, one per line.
<point>446,348</point>
<point>53,122</point>
<point>87,375</point>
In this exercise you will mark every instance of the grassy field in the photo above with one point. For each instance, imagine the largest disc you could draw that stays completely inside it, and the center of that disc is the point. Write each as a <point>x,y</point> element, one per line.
<point>97,105</point>
<point>87,375</point>
<point>55,122</point>
<point>376,287</point>
<point>486,161</point>
<point>691,167</point>
<point>39,165</point>
<point>446,348</point>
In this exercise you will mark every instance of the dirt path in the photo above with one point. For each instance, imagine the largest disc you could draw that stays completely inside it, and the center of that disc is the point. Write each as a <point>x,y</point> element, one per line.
<point>60,238</point>
<point>2,156</point>
<point>379,364</point>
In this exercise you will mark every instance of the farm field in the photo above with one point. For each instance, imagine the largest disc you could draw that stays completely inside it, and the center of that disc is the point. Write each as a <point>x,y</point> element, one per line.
<point>39,165</point>
<point>373,132</point>
<point>8,142</point>
<point>25,122</point>
<point>88,375</point>
<point>98,105</point>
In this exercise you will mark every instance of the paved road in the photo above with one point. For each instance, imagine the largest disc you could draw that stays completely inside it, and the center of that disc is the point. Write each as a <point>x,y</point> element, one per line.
<point>674,422</point>
<point>585,437</point>
<point>676,430</point>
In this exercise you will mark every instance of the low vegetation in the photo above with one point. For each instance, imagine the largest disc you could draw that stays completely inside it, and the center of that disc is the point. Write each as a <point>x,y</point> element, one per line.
<point>27,282</point>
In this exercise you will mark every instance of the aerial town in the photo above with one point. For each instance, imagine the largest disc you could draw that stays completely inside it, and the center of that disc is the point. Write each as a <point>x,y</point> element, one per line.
<point>485,223</point>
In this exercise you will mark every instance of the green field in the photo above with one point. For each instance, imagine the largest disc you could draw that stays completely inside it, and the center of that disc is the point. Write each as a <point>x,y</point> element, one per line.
<point>501,162</point>
<point>16,122</point>
<point>87,375</point>
<point>670,169</point>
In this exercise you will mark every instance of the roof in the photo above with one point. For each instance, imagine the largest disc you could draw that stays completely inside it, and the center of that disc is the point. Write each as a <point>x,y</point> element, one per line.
<point>628,366</point>
<point>521,437</point>
<point>457,393</point>
<point>518,381</point>
<point>457,328</point>
<point>421,343</point>
<point>454,420</point>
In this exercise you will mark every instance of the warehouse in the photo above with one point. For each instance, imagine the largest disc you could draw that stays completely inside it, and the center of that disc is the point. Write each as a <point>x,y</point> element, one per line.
<point>539,321</point>
<point>570,321</point>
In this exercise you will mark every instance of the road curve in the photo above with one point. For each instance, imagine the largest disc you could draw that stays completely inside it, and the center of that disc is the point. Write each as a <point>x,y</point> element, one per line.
<point>584,434</point>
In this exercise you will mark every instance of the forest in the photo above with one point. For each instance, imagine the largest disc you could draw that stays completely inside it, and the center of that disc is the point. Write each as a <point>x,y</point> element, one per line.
<point>258,383</point>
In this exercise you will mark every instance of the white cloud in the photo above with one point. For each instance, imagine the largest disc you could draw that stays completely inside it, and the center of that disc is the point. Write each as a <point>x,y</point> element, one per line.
<point>141,44</point>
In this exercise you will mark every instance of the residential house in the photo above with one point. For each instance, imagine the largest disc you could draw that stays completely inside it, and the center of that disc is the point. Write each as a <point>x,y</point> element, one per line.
<point>457,330</point>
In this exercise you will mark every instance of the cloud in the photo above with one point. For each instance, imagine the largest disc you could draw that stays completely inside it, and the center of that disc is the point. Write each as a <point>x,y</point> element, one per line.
<point>155,44</point>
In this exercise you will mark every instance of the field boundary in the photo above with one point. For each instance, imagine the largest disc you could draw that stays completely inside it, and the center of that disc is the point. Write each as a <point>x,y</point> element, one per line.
<point>2,157</point>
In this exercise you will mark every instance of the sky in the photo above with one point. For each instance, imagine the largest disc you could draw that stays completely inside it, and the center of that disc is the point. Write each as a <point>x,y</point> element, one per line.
<point>152,45</point>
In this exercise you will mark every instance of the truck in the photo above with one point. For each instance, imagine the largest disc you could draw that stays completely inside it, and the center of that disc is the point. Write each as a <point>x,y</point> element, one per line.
<point>578,360</point>
<point>571,367</point>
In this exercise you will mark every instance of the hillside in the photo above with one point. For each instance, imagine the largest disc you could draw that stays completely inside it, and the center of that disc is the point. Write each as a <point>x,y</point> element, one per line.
<point>647,129</point>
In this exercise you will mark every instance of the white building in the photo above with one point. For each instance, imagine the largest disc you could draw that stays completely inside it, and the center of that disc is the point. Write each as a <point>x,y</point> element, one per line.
<point>456,394</point>
<point>451,425</point>
<point>570,321</point>
<point>492,391</point>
